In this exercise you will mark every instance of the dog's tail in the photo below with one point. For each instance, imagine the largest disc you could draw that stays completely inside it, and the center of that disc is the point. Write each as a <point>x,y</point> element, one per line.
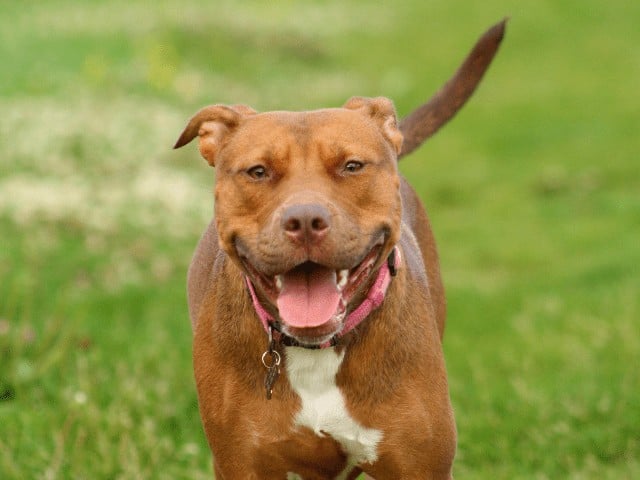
<point>427,119</point>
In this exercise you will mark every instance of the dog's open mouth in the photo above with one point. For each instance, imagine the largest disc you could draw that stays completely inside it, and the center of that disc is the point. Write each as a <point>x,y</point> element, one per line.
<point>312,299</point>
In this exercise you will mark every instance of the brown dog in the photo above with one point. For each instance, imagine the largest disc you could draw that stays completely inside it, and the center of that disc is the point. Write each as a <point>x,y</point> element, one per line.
<point>316,297</point>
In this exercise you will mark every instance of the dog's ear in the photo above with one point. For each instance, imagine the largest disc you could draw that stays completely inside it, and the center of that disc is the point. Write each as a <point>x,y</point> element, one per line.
<point>382,111</point>
<point>213,124</point>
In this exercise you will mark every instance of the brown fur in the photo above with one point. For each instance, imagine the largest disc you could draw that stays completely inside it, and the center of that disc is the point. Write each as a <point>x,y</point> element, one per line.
<point>393,375</point>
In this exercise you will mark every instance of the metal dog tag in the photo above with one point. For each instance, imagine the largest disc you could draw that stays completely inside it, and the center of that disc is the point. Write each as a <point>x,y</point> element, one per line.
<point>273,370</point>
<point>270,379</point>
<point>271,361</point>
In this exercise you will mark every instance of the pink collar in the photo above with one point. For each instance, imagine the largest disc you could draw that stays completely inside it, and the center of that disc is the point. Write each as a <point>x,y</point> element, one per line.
<point>373,300</point>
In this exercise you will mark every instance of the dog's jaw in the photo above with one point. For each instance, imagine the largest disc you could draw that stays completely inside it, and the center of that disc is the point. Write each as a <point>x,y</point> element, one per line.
<point>312,300</point>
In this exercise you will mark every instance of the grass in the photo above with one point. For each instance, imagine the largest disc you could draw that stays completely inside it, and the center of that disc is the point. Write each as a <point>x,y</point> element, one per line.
<point>533,191</point>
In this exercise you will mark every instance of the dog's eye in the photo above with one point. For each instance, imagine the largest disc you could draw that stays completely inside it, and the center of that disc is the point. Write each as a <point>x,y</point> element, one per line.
<point>353,166</point>
<point>257,173</point>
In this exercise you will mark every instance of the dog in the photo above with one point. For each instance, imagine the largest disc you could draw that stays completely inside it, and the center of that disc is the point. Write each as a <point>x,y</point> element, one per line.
<point>315,293</point>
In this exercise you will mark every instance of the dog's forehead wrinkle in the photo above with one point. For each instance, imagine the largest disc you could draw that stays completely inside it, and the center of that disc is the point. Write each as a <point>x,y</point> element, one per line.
<point>284,139</point>
<point>311,123</point>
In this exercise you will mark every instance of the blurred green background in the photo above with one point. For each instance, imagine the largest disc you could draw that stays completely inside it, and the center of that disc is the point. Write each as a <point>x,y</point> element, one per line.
<point>533,190</point>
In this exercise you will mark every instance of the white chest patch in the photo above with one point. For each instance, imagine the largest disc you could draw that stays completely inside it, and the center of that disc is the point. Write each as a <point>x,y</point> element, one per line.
<point>312,374</point>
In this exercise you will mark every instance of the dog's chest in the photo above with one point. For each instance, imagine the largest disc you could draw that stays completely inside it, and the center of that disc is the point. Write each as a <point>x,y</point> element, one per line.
<point>312,374</point>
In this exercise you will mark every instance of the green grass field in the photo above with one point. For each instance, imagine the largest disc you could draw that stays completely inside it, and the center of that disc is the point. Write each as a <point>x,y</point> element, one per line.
<point>533,190</point>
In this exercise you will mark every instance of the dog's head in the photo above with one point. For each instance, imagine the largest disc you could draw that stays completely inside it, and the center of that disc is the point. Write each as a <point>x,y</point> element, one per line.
<point>307,204</point>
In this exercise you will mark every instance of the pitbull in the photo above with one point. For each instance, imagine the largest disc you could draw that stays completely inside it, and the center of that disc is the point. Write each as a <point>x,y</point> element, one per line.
<point>315,293</point>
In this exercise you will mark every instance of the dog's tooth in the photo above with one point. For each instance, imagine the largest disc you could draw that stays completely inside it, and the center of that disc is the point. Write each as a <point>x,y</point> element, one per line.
<point>279,282</point>
<point>343,276</point>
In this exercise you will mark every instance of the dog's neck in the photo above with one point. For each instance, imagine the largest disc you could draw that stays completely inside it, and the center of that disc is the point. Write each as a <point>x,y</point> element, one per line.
<point>373,299</point>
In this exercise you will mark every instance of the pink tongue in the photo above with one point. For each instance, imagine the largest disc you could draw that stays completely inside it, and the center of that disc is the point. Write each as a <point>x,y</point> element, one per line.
<point>308,299</point>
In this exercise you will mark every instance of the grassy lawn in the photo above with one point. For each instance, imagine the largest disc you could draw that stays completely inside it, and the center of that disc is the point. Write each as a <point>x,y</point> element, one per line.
<point>533,190</point>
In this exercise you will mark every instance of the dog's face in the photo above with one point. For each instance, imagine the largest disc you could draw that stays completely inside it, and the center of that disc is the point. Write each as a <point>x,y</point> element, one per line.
<point>307,203</point>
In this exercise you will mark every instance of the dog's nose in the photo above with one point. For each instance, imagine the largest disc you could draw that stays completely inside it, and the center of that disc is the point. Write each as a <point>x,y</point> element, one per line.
<point>306,223</point>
